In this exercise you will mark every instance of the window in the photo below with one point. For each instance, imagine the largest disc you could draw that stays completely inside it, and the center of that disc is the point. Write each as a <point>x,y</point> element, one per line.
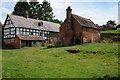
<point>33,30</point>
<point>27,30</point>
<point>40,34</point>
<point>48,33</point>
<point>8,22</point>
<point>84,29</point>
<point>43,33</point>
<point>27,33</point>
<point>17,31</point>
<point>24,29</point>
<point>37,31</point>
<point>9,30</point>
<point>31,33</point>
<point>12,32</point>
<point>34,34</point>
<point>40,23</point>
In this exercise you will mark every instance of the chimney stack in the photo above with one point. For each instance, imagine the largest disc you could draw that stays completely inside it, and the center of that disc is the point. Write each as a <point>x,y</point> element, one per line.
<point>68,12</point>
<point>26,15</point>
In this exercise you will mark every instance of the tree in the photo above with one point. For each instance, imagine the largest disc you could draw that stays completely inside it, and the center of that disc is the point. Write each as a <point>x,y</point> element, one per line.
<point>118,26</point>
<point>21,7</point>
<point>35,10</point>
<point>57,21</point>
<point>34,6</point>
<point>110,22</point>
<point>46,11</point>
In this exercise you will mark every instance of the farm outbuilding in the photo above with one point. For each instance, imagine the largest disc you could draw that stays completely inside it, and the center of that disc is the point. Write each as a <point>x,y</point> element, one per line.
<point>23,31</point>
<point>118,27</point>
<point>78,30</point>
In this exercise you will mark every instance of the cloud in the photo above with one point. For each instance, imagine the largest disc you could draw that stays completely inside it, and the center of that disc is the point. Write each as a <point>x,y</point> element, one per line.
<point>9,0</point>
<point>98,15</point>
<point>119,12</point>
<point>68,0</point>
<point>3,13</point>
<point>59,7</point>
<point>94,0</point>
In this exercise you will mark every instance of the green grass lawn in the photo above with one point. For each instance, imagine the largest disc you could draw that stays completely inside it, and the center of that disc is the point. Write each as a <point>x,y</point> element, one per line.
<point>110,32</point>
<point>40,62</point>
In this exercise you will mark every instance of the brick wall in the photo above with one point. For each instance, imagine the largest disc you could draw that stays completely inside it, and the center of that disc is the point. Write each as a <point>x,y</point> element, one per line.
<point>12,43</point>
<point>70,32</point>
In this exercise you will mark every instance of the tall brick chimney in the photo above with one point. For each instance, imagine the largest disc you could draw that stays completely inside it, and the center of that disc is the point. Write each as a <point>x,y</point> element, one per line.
<point>68,12</point>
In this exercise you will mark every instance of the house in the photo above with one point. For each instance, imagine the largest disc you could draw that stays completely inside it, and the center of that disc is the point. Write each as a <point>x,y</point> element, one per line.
<point>107,27</point>
<point>78,30</point>
<point>23,31</point>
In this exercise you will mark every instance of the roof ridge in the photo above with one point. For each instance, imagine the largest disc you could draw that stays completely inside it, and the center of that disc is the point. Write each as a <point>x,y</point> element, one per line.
<point>30,18</point>
<point>81,16</point>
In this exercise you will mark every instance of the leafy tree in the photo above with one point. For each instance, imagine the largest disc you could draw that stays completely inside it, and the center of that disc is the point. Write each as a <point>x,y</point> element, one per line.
<point>57,21</point>
<point>46,11</point>
<point>35,10</point>
<point>111,23</point>
<point>118,25</point>
<point>21,7</point>
<point>34,6</point>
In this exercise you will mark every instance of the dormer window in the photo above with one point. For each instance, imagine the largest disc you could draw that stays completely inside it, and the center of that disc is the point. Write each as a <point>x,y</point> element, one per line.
<point>40,23</point>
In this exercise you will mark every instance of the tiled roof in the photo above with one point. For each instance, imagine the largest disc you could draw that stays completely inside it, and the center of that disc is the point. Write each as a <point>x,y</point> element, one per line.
<point>84,21</point>
<point>19,21</point>
<point>30,37</point>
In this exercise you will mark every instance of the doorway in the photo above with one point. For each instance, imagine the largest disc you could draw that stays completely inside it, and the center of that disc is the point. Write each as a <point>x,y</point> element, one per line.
<point>28,43</point>
<point>77,41</point>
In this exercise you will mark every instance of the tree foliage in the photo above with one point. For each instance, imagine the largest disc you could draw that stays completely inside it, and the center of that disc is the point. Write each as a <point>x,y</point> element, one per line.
<point>36,10</point>
<point>118,25</point>
<point>21,7</point>
<point>111,22</point>
<point>47,11</point>
<point>57,21</point>
<point>34,7</point>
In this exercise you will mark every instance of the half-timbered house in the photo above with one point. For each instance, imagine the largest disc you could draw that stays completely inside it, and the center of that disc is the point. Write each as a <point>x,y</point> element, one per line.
<point>23,31</point>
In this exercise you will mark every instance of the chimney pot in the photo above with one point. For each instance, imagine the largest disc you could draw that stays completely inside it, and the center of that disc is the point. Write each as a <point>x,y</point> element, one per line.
<point>68,12</point>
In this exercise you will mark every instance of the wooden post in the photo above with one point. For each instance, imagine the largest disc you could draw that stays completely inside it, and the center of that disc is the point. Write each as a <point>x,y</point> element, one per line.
<point>20,43</point>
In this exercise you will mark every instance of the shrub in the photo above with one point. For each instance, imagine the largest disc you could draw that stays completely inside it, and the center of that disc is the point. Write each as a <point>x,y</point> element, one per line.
<point>107,41</point>
<point>54,42</point>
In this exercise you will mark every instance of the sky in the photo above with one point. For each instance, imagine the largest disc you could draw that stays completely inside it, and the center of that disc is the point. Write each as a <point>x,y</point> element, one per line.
<point>99,11</point>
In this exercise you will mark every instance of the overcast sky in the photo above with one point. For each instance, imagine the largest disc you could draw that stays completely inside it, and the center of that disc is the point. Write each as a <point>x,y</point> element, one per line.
<point>99,11</point>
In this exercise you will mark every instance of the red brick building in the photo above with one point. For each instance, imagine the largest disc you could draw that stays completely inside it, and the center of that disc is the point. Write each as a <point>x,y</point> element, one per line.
<point>77,30</point>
